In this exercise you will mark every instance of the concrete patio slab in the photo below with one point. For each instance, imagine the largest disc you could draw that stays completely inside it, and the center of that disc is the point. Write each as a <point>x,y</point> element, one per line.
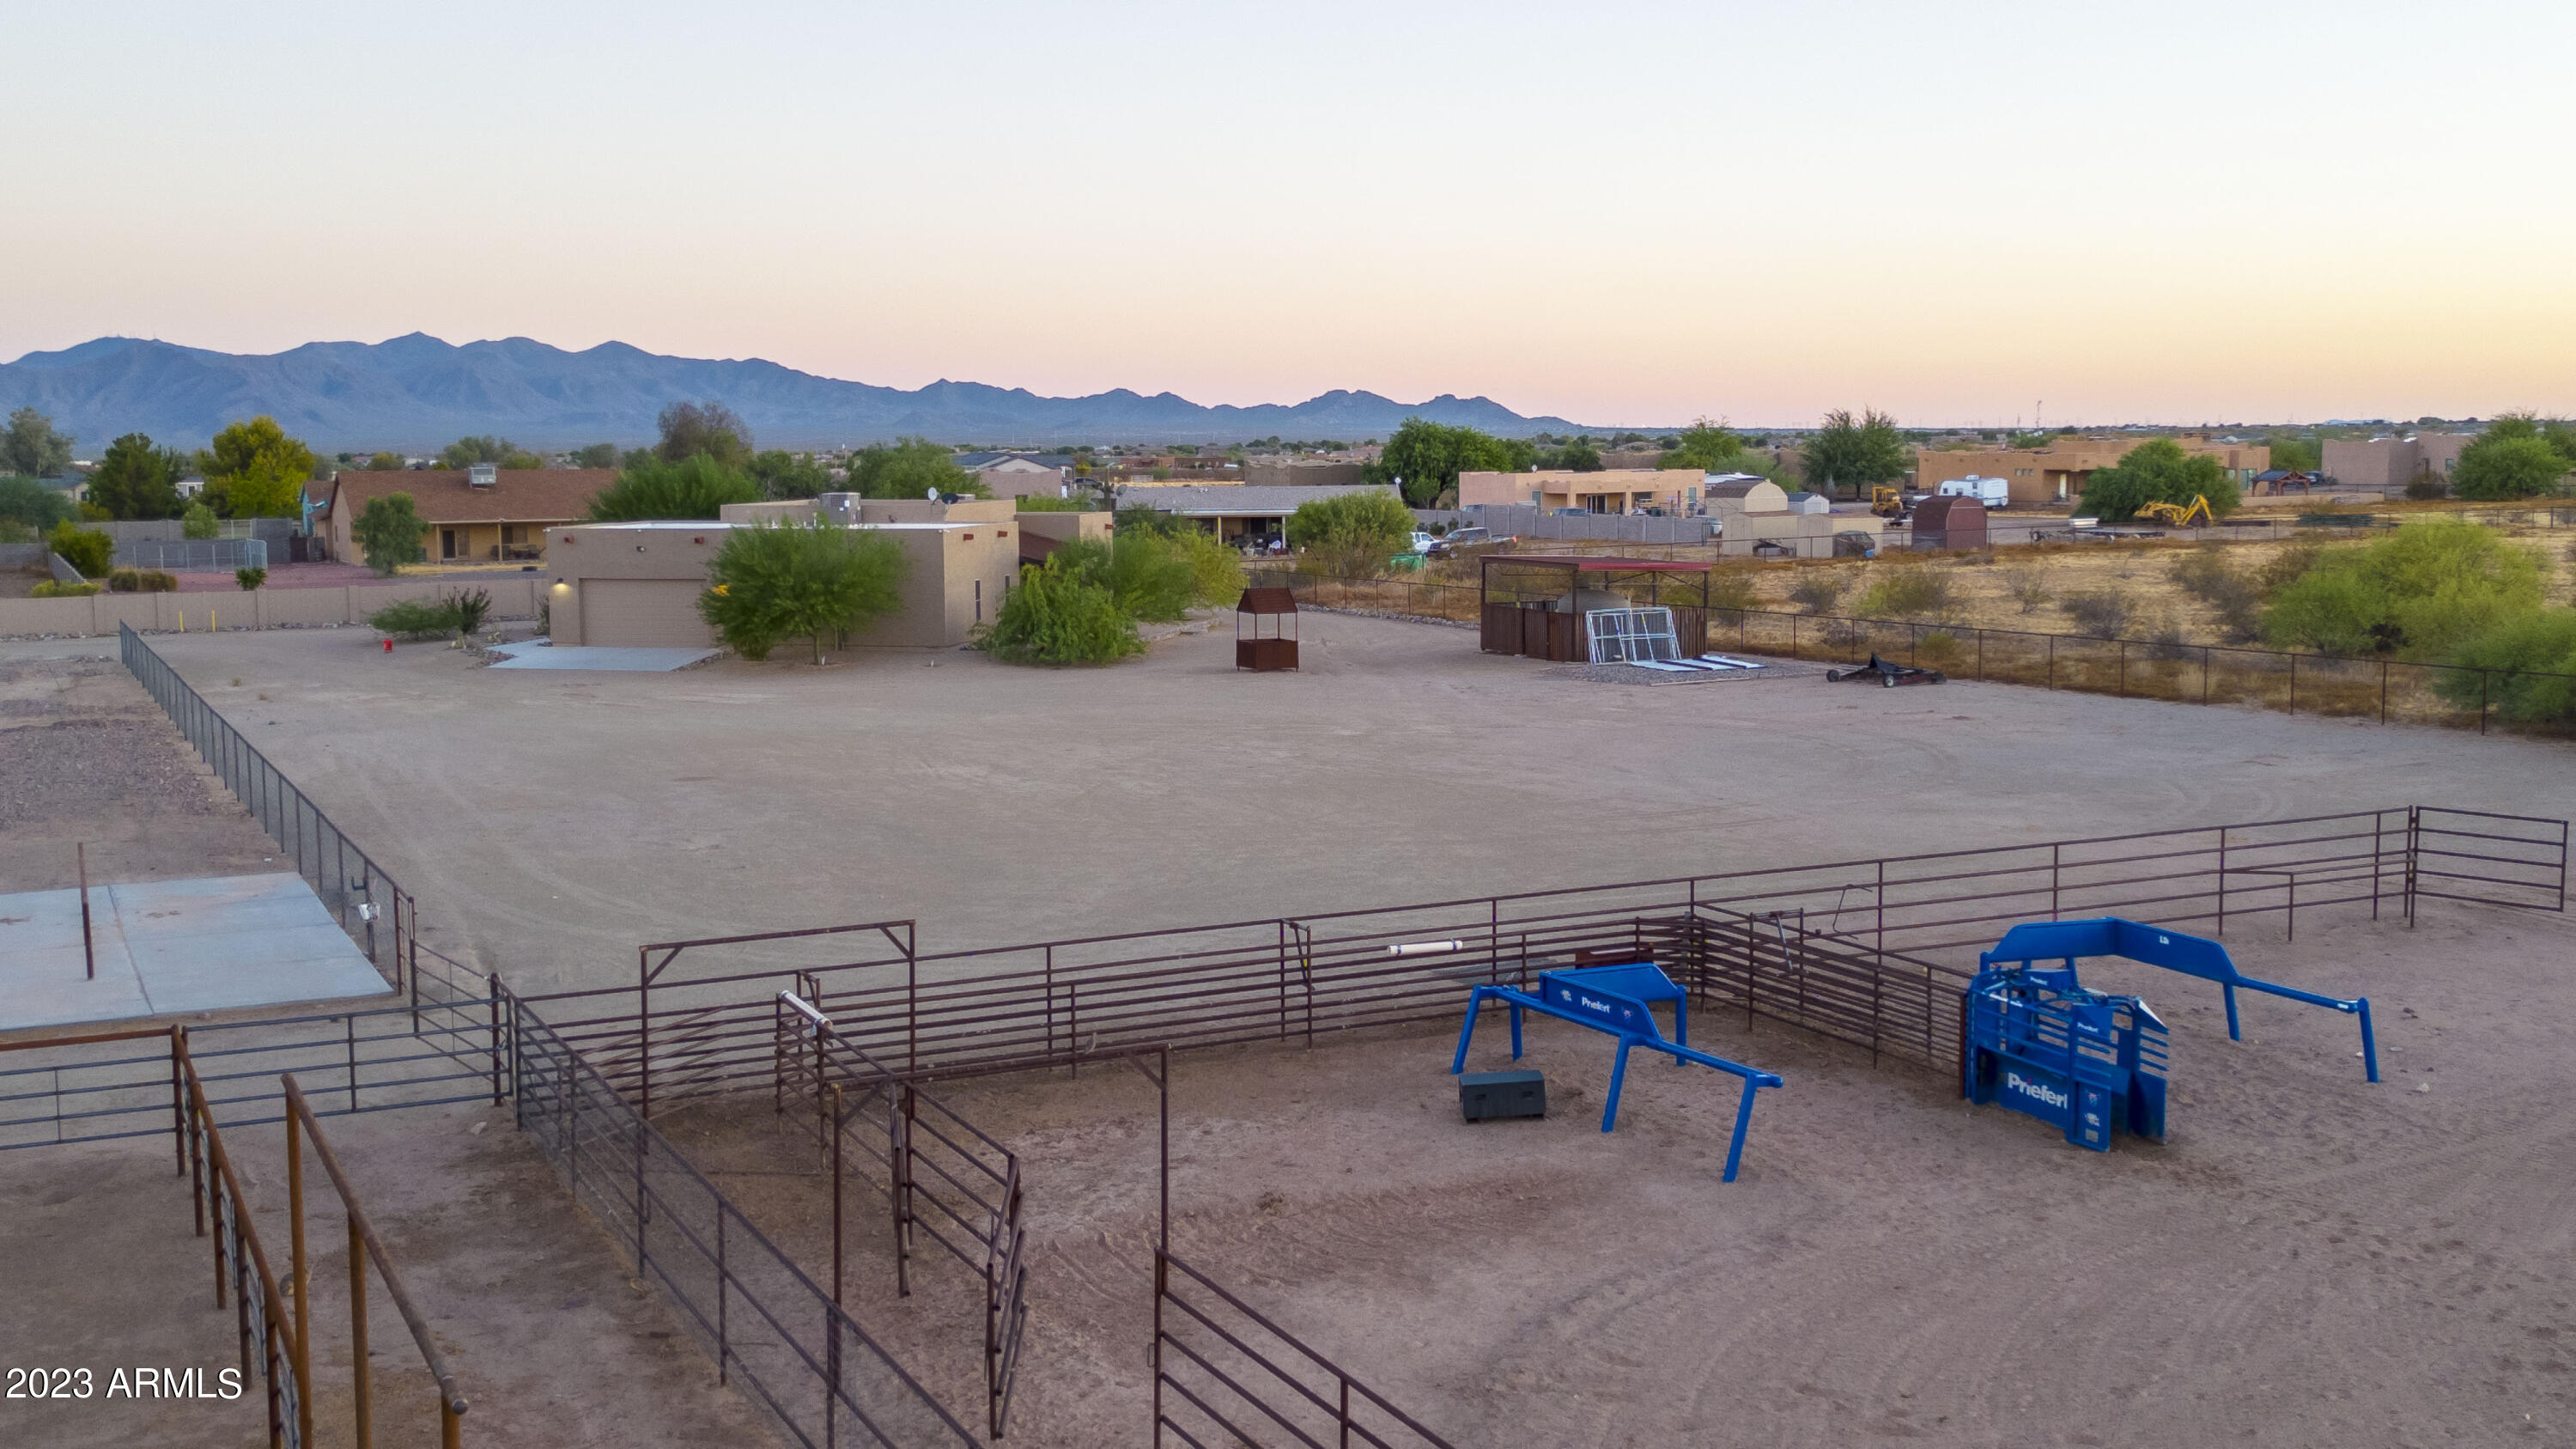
<point>174,946</point>
<point>536,654</point>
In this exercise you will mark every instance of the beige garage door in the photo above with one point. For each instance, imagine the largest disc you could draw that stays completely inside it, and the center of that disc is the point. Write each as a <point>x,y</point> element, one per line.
<point>643,613</point>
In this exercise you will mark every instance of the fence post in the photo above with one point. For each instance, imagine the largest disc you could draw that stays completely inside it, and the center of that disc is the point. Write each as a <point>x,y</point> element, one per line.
<point>2383,691</point>
<point>358,1336</point>
<point>2414,845</point>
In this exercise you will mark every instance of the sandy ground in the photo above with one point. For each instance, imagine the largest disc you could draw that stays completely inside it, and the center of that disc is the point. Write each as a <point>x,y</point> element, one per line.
<point>2307,1259</point>
<point>550,823</point>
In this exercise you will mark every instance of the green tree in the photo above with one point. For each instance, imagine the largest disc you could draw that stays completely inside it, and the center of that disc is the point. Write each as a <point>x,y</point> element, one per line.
<point>1854,452</point>
<point>800,580</point>
<point>199,522</point>
<point>597,455</point>
<point>31,505</point>
<point>89,550</point>
<point>137,480</point>
<point>782,474</point>
<point>1357,524</point>
<point>1579,456</point>
<point>2297,454</point>
<point>1425,459</point>
<point>695,487</point>
<point>910,468</point>
<point>1060,615</point>
<point>2421,592</point>
<point>256,471</point>
<point>690,429</point>
<point>389,530</point>
<point>384,463</point>
<point>2514,458</point>
<point>2023,442</point>
<point>31,448</point>
<point>2159,471</point>
<point>1706,445</point>
<point>2530,664</point>
<point>501,452</point>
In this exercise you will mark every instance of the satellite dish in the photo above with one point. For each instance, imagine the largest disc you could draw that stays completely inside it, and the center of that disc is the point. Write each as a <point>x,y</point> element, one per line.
<point>931,493</point>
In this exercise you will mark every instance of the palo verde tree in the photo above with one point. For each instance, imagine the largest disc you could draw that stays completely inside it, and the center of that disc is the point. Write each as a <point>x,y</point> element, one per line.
<point>254,470</point>
<point>1854,452</point>
<point>388,530</point>
<point>2422,592</point>
<point>1354,523</point>
<point>799,580</point>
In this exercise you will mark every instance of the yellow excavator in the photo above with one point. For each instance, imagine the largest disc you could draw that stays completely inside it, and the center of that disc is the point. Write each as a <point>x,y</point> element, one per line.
<point>2175,515</point>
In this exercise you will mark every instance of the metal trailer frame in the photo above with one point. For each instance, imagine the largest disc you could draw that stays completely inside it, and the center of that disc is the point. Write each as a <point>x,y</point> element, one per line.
<point>1614,999</point>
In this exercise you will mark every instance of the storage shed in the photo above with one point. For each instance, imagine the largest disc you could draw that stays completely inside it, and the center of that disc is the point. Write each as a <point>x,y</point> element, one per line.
<point>1950,523</point>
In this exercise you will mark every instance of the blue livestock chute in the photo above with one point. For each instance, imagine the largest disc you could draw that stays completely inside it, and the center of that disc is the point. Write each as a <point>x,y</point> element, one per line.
<point>1616,999</point>
<point>2088,1062</point>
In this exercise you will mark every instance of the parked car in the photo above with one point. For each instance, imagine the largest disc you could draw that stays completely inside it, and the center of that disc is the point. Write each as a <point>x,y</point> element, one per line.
<point>1459,538</point>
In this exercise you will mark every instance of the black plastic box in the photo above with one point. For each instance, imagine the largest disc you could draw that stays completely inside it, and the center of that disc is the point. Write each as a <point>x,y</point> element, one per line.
<point>1502,1094</point>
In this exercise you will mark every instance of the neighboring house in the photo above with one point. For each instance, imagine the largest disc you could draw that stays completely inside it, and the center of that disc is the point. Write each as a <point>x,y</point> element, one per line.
<point>1611,490</point>
<point>1235,510</point>
<point>2059,472</point>
<point>2389,464</point>
<point>1019,475</point>
<point>481,514</point>
<point>637,584</point>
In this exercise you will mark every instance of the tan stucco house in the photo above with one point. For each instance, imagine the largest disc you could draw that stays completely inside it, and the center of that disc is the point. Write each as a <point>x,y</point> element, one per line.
<point>475,515</point>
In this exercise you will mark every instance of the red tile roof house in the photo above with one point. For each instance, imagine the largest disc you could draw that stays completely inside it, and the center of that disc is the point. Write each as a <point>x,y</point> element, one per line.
<point>475,515</point>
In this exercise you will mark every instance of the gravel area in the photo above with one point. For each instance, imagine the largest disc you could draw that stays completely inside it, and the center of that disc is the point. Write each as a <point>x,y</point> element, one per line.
<point>87,758</point>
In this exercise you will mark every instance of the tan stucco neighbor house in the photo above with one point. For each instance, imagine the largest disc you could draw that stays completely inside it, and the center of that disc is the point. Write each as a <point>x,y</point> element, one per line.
<point>637,584</point>
<point>475,515</point>
<point>1611,490</point>
<point>2059,472</point>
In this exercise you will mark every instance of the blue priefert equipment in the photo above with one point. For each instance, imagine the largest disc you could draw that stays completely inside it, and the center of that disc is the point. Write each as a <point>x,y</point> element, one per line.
<point>2089,1062</point>
<point>1615,999</point>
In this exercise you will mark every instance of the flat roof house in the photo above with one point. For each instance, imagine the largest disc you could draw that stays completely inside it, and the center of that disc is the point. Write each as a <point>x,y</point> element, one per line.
<point>1236,510</point>
<point>1610,490</point>
<point>637,584</point>
<point>481,514</point>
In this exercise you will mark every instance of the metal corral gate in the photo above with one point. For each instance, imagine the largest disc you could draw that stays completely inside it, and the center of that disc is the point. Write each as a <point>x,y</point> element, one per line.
<point>1871,952</point>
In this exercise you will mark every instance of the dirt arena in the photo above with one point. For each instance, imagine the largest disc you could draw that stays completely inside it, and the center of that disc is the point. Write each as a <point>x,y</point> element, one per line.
<point>2308,1260</point>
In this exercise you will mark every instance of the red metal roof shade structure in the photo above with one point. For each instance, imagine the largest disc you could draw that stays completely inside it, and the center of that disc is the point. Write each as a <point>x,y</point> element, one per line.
<point>1511,622</point>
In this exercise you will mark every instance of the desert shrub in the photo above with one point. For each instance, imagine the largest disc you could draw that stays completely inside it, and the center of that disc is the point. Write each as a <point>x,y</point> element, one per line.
<point>1043,504</point>
<point>250,578</point>
<point>1216,571</point>
<point>2533,659</point>
<point>415,619</point>
<point>199,522</point>
<point>468,608</point>
<point>2423,591</point>
<point>695,487</point>
<point>2100,613</point>
<point>1818,590</point>
<point>2426,487</point>
<point>156,581</point>
<point>1913,592</point>
<point>52,589</point>
<point>124,581</point>
<point>799,580</point>
<point>1059,615</point>
<point>2234,594</point>
<point>2028,588</point>
<point>1939,649</point>
<point>89,550</point>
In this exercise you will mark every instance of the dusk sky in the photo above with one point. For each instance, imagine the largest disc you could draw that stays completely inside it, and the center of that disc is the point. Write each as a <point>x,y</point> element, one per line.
<point>2178,212</point>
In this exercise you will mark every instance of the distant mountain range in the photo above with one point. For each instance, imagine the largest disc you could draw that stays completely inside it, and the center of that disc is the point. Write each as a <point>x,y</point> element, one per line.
<point>418,392</point>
